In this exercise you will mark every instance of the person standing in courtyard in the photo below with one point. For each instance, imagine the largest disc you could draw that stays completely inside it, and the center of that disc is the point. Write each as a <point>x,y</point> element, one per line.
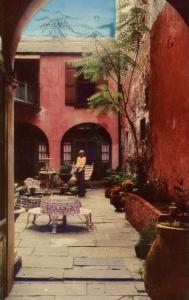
<point>80,173</point>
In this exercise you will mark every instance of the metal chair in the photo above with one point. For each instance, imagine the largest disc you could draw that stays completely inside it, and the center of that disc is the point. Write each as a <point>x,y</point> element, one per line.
<point>88,173</point>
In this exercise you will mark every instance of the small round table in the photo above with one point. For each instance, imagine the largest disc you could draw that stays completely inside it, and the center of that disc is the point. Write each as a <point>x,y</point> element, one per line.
<point>55,206</point>
<point>49,174</point>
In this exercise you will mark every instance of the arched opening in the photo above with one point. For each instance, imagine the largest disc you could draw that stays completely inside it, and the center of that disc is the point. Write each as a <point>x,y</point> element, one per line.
<point>31,146</point>
<point>94,140</point>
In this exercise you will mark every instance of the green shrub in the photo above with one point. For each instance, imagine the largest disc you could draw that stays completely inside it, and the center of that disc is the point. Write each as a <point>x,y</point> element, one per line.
<point>65,168</point>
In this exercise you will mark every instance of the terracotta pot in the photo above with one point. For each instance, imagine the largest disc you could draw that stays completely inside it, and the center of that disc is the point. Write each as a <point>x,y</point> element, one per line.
<point>117,202</point>
<point>167,265</point>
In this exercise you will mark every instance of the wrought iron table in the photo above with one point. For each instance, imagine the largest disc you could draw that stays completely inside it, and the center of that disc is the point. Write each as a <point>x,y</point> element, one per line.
<point>56,206</point>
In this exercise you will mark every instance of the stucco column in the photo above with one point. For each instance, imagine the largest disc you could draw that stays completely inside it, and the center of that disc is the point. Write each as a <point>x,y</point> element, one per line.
<point>9,144</point>
<point>7,169</point>
<point>54,153</point>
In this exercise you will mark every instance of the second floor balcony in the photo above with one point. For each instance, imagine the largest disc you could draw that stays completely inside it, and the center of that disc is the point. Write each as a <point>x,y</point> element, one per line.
<point>27,94</point>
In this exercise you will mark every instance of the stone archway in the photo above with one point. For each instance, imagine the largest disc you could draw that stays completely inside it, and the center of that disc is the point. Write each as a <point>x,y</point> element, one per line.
<point>94,140</point>
<point>31,146</point>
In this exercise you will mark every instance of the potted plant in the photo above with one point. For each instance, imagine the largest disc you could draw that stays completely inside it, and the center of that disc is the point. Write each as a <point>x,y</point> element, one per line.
<point>167,264</point>
<point>116,198</point>
<point>127,185</point>
<point>121,182</point>
<point>116,178</point>
<point>65,172</point>
<point>111,180</point>
<point>64,188</point>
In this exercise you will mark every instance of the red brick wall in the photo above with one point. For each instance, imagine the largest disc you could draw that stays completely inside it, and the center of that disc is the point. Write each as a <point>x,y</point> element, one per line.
<point>169,95</point>
<point>139,212</point>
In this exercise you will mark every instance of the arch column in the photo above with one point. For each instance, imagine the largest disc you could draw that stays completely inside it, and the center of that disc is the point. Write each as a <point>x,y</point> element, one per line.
<point>13,17</point>
<point>7,167</point>
<point>54,153</point>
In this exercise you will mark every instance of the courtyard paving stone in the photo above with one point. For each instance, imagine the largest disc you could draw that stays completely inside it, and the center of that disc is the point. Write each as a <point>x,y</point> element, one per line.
<point>97,265</point>
<point>112,289</point>
<point>51,251</point>
<point>97,274</point>
<point>50,289</point>
<point>45,273</point>
<point>99,261</point>
<point>47,262</point>
<point>101,252</point>
<point>74,242</point>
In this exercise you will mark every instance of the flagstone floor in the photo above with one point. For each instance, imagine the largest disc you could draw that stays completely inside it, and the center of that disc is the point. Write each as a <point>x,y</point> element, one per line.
<point>75,264</point>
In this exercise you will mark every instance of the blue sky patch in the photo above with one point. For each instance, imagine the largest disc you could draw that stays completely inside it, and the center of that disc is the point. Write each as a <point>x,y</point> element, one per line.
<point>73,18</point>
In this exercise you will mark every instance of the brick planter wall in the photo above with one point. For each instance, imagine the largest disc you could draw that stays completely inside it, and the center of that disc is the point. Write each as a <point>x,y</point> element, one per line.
<point>139,212</point>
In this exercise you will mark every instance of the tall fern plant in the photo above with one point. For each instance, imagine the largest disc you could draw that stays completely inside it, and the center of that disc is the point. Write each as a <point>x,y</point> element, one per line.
<point>117,60</point>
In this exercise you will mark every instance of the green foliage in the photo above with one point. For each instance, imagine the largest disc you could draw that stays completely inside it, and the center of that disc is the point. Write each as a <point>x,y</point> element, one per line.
<point>105,100</point>
<point>132,24</point>
<point>146,239</point>
<point>65,168</point>
<point>117,60</point>
<point>117,178</point>
<point>148,235</point>
<point>114,60</point>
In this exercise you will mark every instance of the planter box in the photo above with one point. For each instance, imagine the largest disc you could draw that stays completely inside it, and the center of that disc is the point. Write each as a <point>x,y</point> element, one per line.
<point>139,212</point>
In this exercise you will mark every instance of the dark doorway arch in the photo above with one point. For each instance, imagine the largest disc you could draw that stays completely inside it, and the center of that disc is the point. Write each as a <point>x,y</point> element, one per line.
<point>31,146</point>
<point>94,140</point>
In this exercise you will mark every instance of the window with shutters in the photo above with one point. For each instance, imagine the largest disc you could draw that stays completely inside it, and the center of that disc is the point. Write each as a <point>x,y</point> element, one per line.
<point>42,152</point>
<point>85,89</point>
<point>66,152</point>
<point>105,153</point>
<point>78,90</point>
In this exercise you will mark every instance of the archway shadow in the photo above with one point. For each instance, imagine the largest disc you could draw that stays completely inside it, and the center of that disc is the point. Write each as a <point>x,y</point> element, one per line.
<point>182,7</point>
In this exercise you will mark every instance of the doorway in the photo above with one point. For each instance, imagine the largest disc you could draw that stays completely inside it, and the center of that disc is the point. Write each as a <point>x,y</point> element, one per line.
<point>94,140</point>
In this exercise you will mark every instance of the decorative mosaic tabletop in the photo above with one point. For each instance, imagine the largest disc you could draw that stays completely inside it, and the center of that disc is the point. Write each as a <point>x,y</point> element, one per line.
<point>60,205</point>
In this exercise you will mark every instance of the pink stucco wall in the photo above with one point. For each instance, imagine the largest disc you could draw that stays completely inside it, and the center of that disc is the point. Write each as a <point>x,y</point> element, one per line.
<point>54,118</point>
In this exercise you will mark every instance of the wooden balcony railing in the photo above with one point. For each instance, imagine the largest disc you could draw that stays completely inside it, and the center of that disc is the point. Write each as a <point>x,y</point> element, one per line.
<point>27,94</point>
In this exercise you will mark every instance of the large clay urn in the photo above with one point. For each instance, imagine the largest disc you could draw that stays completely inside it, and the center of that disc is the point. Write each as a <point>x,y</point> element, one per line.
<point>167,264</point>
